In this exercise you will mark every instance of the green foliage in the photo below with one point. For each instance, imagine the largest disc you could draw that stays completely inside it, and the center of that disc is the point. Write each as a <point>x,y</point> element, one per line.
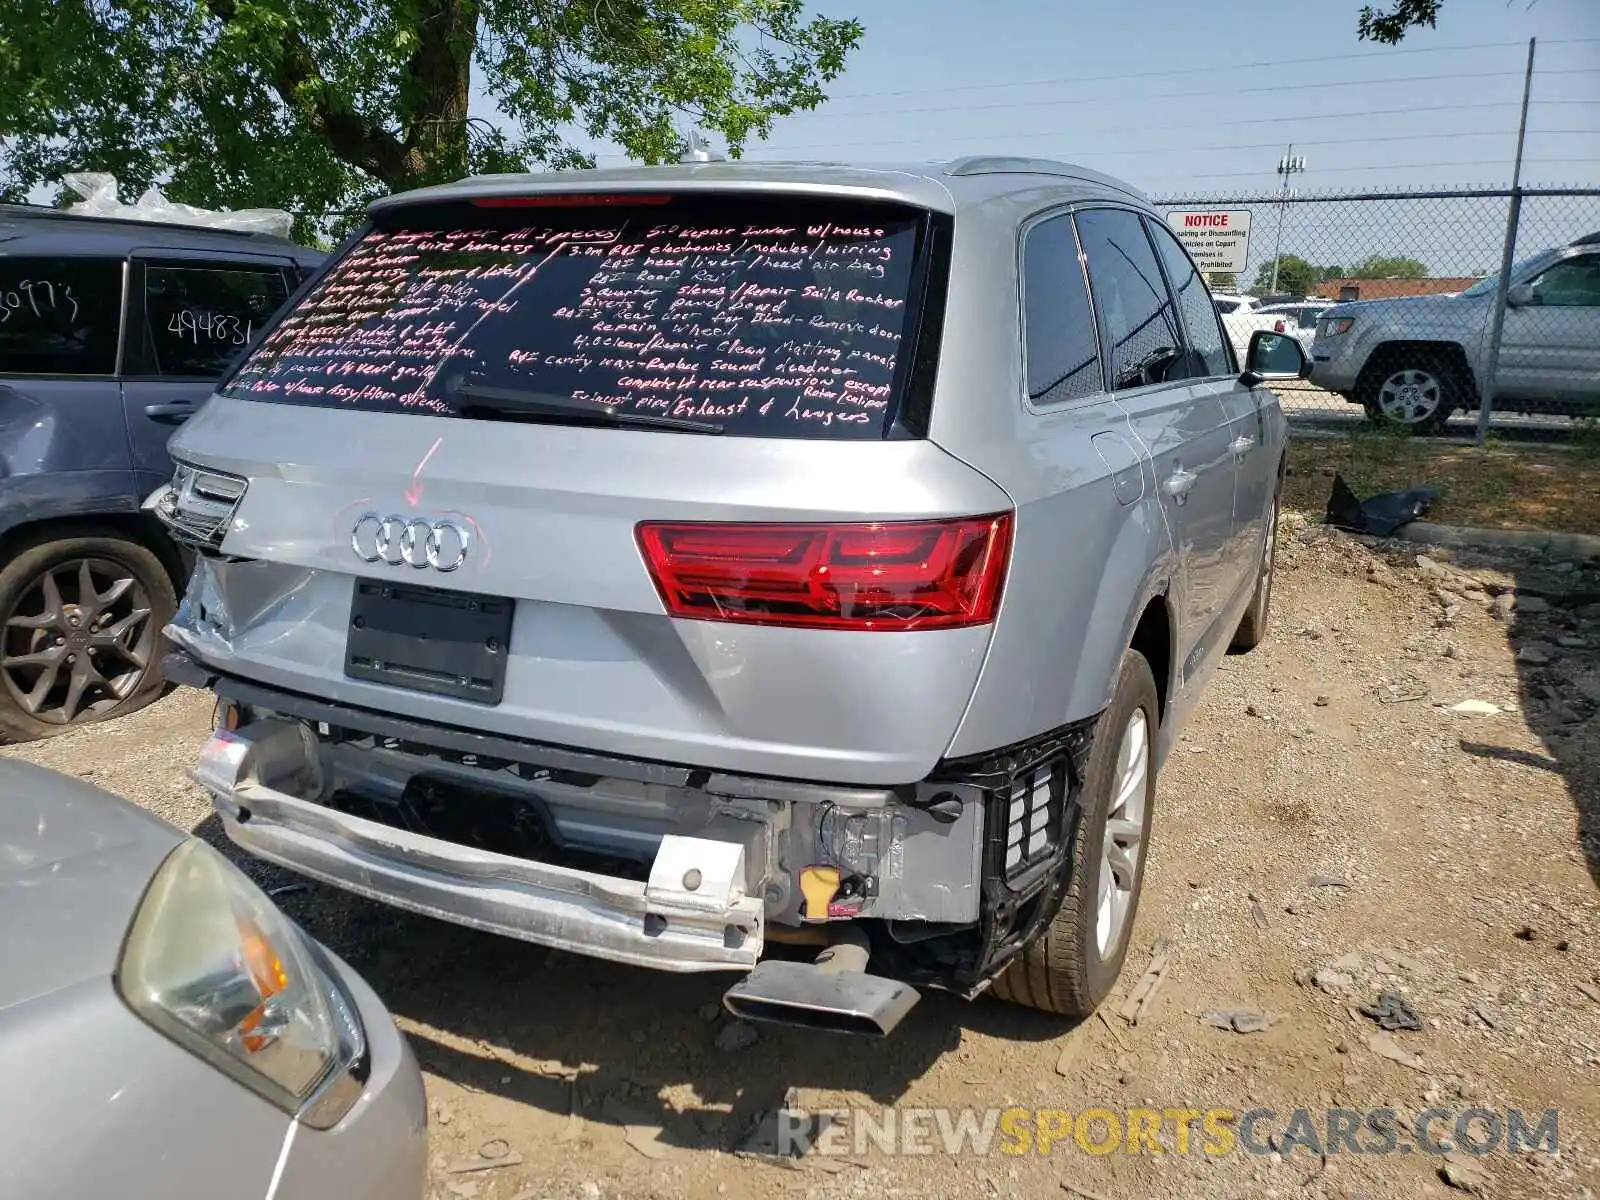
<point>1222,281</point>
<point>318,105</point>
<point>1333,273</point>
<point>1376,266</point>
<point>1295,275</point>
<point>1392,25</point>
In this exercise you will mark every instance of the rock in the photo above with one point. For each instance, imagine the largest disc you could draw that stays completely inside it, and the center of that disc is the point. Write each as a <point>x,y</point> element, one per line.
<point>1475,708</point>
<point>1240,1020</point>
<point>1462,1172</point>
<point>1526,933</point>
<point>1531,604</point>
<point>1335,983</point>
<point>1537,654</point>
<point>1571,641</point>
<point>1451,650</point>
<point>736,1036</point>
<point>1347,962</point>
<point>1503,606</point>
<point>1391,1011</point>
<point>1312,632</point>
<point>1476,596</point>
<point>1432,568</point>
<point>1327,881</point>
<point>1321,702</point>
<point>1384,1045</point>
<point>1588,685</point>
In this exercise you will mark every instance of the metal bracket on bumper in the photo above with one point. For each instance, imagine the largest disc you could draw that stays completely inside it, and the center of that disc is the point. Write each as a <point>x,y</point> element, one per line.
<point>692,914</point>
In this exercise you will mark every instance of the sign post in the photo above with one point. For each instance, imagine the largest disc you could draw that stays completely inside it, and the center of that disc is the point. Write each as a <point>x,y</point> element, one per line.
<point>1217,239</point>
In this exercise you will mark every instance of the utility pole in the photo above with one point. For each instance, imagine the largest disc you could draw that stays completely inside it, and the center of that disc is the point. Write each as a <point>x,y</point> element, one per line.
<point>1287,165</point>
<point>1497,325</point>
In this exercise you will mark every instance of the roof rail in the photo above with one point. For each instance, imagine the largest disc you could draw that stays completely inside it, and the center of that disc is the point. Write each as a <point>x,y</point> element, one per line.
<point>999,164</point>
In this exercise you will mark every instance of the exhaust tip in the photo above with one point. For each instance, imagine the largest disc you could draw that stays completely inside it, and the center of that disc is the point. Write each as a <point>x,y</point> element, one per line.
<point>807,997</point>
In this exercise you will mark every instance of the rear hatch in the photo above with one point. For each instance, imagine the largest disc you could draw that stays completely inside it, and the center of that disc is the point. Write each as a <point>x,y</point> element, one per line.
<point>643,473</point>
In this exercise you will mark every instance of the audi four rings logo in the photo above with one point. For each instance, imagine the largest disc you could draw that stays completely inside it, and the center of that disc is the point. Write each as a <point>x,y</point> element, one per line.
<point>401,541</point>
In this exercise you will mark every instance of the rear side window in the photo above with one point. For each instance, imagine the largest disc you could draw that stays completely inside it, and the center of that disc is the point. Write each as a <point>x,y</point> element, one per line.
<point>59,316</point>
<point>1063,359</point>
<point>751,316</point>
<point>1208,348</point>
<point>198,317</point>
<point>1138,333</point>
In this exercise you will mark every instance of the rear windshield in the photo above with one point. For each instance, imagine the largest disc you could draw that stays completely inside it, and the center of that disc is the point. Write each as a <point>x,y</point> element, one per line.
<point>752,316</point>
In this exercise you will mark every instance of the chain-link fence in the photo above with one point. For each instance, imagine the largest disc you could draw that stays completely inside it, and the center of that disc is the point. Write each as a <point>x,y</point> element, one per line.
<point>1443,327</point>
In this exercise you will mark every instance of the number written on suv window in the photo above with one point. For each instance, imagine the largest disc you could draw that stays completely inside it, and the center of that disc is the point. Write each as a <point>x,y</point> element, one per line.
<point>59,316</point>
<point>198,317</point>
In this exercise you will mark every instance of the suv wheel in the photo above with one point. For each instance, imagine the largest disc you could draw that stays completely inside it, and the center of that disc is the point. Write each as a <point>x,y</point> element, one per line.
<point>1253,625</point>
<point>1074,964</point>
<point>80,633</point>
<point>1418,392</point>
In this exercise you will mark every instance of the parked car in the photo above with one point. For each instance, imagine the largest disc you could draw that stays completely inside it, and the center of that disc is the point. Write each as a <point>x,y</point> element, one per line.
<point>1417,360</point>
<point>166,1031</point>
<point>682,559</point>
<point>1243,315</point>
<point>1303,313</point>
<point>111,333</point>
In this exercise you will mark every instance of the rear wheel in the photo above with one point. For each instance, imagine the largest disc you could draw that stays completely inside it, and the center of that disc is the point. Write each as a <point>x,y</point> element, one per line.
<point>1074,964</point>
<point>80,633</point>
<point>1415,390</point>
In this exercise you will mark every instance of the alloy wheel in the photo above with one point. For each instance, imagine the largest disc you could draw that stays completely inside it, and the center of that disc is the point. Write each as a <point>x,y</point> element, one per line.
<point>1122,846</point>
<point>1410,396</point>
<point>78,642</point>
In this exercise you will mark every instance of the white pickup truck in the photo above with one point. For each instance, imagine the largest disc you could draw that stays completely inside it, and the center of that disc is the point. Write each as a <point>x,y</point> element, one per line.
<point>1242,316</point>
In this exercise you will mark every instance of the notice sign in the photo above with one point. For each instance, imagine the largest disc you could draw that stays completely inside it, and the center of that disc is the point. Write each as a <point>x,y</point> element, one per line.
<point>1219,239</point>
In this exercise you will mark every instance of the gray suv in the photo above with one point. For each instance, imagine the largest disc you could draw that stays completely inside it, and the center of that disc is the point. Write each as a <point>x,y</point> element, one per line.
<point>664,563</point>
<point>112,333</point>
<point>1415,361</point>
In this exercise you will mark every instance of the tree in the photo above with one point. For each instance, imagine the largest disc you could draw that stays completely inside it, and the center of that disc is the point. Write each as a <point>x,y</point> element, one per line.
<point>1335,272</point>
<point>1376,266</point>
<point>1295,275</point>
<point>322,104</point>
<point>1392,25</point>
<point>1222,281</point>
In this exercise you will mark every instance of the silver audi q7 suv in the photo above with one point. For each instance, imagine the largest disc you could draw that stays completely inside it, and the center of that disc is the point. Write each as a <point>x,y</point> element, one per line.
<point>662,563</point>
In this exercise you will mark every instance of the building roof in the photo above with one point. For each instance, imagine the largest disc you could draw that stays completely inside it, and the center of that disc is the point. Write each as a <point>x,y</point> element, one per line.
<point>1389,289</point>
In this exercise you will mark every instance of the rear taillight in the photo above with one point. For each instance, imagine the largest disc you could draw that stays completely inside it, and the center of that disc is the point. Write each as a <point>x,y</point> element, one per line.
<point>1278,327</point>
<point>891,575</point>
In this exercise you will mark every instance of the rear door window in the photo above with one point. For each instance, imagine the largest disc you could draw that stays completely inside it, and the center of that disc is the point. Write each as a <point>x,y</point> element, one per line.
<point>197,317</point>
<point>1138,328</point>
<point>1063,359</point>
<point>751,316</point>
<point>59,316</point>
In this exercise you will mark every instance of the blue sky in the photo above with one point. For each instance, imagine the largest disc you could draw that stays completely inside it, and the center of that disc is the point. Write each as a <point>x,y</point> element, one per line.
<point>1221,90</point>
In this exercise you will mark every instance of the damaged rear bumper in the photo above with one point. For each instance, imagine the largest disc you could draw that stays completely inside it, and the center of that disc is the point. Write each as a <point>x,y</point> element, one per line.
<point>659,923</point>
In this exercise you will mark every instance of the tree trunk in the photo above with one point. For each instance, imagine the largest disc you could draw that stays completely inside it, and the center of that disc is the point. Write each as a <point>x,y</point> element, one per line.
<point>435,94</point>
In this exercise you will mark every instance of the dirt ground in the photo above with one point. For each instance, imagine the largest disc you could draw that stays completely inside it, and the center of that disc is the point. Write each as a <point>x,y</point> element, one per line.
<point>1327,829</point>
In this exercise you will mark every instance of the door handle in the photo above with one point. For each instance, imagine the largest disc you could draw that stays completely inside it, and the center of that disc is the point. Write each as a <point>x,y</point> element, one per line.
<point>170,414</point>
<point>1177,484</point>
<point>1241,443</point>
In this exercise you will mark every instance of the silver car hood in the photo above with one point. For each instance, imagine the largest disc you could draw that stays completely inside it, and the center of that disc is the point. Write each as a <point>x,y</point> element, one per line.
<point>74,861</point>
<point>1409,306</point>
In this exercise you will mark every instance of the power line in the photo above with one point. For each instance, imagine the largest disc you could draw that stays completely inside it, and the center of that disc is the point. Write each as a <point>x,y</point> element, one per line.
<point>1141,129</point>
<point>1230,91</point>
<point>1279,62</point>
<point>1546,162</point>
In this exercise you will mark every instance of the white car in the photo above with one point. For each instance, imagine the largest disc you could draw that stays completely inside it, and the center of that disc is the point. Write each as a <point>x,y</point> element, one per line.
<point>1304,313</point>
<point>1243,315</point>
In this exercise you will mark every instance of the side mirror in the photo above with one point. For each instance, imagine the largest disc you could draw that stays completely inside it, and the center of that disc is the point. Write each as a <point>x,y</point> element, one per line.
<point>1520,295</point>
<point>1274,356</point>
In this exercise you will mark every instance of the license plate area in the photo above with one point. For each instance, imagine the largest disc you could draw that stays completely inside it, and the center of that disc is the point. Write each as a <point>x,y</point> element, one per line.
<point>429,640</point>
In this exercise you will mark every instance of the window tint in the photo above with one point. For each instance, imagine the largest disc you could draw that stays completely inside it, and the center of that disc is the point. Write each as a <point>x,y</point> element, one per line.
<point>196,318</point>
<point>1208,348</point>
<point>1063,360</point>
<point>1138,334</point>
<point>1574,283</point>
<point>59,316</point>
<point>1227,306</point>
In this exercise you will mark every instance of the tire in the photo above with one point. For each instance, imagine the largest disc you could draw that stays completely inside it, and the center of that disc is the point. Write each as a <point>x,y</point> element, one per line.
<point>96,672</point>
<point>1412,389</point>
<point>1253,625</point>
<point>1071,967</point>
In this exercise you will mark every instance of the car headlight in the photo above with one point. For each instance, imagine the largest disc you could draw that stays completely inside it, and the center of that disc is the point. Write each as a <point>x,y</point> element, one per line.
<point>211,963</point>
<point>1334,326</point>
